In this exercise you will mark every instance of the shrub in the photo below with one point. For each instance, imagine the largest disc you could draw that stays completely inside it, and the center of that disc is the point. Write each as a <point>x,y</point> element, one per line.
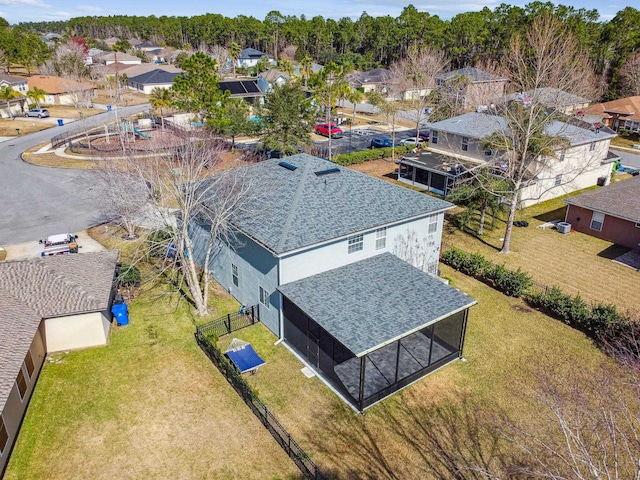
<point>157,242</point>
<point>454,257</point>
<point>475,264</point>
<point>129,275</point>
<point>366,155</point>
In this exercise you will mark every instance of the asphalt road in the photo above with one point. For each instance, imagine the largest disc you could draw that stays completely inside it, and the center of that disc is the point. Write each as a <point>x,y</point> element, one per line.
<point>629,159</point>
<point>41,201</point>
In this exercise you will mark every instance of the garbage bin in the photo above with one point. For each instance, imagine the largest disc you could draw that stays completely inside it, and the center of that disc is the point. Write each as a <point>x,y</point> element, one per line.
<point>108,108</point>
<point>60,122</point>
<point>120,311</point>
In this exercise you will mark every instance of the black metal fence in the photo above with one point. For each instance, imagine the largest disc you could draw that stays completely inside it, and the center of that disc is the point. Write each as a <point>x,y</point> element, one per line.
<point>289,445</point>
<point>231,323</point>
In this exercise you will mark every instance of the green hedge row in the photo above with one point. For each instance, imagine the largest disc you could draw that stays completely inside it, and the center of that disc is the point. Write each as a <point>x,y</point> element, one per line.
<point>600,321</point>
<point>366,155</point>
<point>513,283</point>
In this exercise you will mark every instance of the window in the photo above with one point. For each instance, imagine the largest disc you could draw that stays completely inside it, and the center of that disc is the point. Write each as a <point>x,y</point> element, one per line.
<point>434,136</point>
<point>592,146</point>
<point>561,158</point>
<point>234,274</point>
<point>465,144</point>
<point>356,243</point>
<point>28,361</point>
<point>264,297</point>
<point>22,384</point>
<point>596,221</point>
<point>433,223</point>
<point>381,238</point>
<point>558,181</point>
<point>4,436</point>
<point>488,152</point>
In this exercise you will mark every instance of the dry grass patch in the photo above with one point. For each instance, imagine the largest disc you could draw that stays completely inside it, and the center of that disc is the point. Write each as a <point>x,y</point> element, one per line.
<point>53,160</point>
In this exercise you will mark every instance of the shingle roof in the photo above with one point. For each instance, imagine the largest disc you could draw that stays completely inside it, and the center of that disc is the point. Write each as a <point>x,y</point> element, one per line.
<point>373,302</point>
<point>117,56</point>
<point>31,290</point>
<point>11,80</point>
<point>56,85</point>
<point>552,97</point>
<point>287,210</point>
<point>252,53</point>
<point>156,77</point>
<point>628,107</point>
<point>620,199</point>
<point>475,75</point>
<point>480,125</point>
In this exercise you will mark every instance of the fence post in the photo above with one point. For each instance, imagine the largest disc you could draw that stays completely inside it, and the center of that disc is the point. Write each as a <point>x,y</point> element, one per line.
<point>228,324</point>
<point>253,315</point>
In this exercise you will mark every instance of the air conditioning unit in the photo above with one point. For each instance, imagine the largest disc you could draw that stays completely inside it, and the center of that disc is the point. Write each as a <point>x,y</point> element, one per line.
<point>563,227</point>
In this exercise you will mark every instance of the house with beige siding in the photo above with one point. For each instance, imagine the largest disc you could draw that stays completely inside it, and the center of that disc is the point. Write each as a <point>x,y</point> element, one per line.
<point>48,304</point>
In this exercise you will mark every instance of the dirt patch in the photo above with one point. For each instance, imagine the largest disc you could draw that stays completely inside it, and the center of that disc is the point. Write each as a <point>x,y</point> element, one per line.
<point>384,169</point>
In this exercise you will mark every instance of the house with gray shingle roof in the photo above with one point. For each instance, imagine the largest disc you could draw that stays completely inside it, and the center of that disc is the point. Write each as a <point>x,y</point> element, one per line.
<point>157,78</point>
<point>249,57</point>
<point>584,160</point>
<point>343,269</point>
<point>47,304</point>
<point>611,213</point>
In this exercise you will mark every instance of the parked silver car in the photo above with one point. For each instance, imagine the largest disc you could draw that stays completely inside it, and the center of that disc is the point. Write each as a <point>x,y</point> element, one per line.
<point>37,112</point>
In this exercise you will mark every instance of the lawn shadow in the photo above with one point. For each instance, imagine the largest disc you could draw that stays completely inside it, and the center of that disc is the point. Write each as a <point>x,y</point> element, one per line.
<point>613,251</point>
<point>557,214</point>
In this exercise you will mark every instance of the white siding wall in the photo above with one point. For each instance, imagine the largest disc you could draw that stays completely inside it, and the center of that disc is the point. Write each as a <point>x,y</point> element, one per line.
<point>76,331</point>
<point>409,241</point>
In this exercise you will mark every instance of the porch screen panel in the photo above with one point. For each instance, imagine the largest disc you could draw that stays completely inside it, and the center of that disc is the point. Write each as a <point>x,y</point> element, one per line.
<point>438,181</point>
<point>422,176</point>
<point>447,336</point>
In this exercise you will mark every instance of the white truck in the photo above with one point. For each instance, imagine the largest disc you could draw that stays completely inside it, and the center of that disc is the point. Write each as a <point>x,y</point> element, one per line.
<point>60,244</point>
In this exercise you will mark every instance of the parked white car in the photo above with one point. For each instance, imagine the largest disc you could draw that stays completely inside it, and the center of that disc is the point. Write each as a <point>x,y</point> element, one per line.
<point>411,141</point>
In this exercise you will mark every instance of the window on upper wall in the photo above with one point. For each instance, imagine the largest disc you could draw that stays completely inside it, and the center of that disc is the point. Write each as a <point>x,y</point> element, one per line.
<point>433,224</point>
<point>558,181</point>
<point>381,238</point>
<point>4,436</point>
<point>356,243</point>
<point>561,156</point>
<point>264,297</point>
<point>21,381</point>
<point>465,144</point>
<point>592,146</point>
<point>234,275</point>
<point>597,220</point>
<point>434,136</point>
<point>28,362</point>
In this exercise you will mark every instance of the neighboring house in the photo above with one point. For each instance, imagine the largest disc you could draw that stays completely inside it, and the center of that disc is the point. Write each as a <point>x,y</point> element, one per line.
<point>472,87</point>
<point>247,89</point>
<point>623,113</point>
<point>111,41</point>
<point>273,76</point>
<point>113,57</point>
<point>584,163</point>
<point>342,266</point>
<point>63,91</point>
<point>47,304</point>
<point>611,213</point>
<point>371,81</point>
<point>315,68</point>
<point>50,39</point>
<point>148,46</point>
<point>159,55</point>
<point>554,98</point>
<point>249,57</point>
<point>146,82</point>
<point>19,84</point>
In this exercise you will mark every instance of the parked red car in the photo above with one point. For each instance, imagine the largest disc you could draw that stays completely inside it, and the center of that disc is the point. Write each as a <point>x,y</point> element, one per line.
<point>323,129</point>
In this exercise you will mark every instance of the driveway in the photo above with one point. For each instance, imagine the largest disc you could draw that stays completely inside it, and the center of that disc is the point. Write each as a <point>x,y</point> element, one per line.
<point>41,201</point>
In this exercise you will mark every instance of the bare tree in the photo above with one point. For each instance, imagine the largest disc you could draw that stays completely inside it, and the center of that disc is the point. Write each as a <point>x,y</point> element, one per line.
<point>630,75</point>
<point>415,77</point>
<point>220,54</point>
<point>187,178</point>
<point>68,61</point>
<point>531,136</point>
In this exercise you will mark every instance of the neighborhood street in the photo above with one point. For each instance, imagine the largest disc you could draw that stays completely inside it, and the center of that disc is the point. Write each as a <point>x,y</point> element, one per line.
<point>41,201</point>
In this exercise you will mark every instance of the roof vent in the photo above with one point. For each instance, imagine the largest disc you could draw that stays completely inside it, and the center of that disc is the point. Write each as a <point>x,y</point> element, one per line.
<point>328,171</point>
<point>288,166</point>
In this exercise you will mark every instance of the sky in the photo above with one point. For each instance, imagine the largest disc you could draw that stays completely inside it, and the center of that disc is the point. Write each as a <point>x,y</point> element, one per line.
<point>15,11</point>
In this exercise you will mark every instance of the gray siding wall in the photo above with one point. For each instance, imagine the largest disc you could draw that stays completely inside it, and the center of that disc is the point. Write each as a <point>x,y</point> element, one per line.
<point>452,144</point>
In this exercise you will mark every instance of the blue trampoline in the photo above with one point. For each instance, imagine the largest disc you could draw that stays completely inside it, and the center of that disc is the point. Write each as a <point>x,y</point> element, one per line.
<point>244,357</point>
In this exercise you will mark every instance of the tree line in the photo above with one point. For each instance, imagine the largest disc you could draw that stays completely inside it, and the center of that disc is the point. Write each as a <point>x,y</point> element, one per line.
<point>368,42</point>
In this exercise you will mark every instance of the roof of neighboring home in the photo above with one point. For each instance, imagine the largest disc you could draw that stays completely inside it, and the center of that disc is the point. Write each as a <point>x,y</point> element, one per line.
<point>480,125</point>
<point>377,75</point>
<point>252,53</point>
<point>148,44</point>
<point>11,80</point>
<point>273,73</point>
<point>117,56</point>
<point>154,77</point>
<point>620,199</point>
<point>358,304</point>
<point>475,75</point>
<point>56,85</point>
<point>551,97</point>
<point>43,287</point>
<point>135,70</point>
<point>628,107</point>
<point>241,88</point>
<point>319,201</point>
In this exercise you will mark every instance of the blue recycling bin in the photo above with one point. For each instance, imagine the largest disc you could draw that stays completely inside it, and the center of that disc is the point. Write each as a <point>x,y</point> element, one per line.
<point>121,312</point>
<point>60,122</point>
<point>108,108</point>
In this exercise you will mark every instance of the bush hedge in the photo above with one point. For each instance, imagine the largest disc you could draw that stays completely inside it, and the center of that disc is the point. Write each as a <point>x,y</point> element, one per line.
<point>129,275</point>
<point>513,283</point>
<point>366,155</point>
